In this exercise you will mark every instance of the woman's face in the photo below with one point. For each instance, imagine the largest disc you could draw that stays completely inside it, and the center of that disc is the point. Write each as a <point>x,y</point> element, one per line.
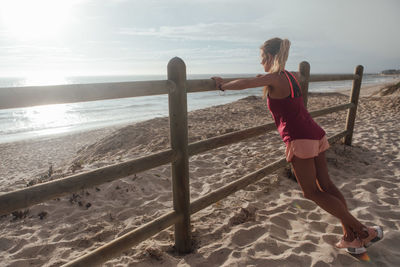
<point>266,61</point>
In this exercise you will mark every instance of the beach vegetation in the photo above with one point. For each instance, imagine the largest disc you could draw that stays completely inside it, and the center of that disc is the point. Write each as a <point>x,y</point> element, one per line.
<point>391,89</point>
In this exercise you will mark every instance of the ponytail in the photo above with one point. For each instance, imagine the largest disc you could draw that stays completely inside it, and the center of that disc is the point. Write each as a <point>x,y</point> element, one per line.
<point>279,49</point>
<point>281,57</point>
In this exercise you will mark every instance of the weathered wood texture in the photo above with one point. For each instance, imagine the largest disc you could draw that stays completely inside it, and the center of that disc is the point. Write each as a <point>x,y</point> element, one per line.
<point>204,85</point>
<point>179,143</point>
<point>331,77</point>
<point>17,97</point>
<point>354,96</point>
<point>304,74</point>
<point>229,138</point>
<point>325,111</point>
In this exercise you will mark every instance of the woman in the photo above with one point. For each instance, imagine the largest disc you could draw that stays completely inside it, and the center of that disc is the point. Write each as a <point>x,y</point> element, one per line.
<point>305,141</point>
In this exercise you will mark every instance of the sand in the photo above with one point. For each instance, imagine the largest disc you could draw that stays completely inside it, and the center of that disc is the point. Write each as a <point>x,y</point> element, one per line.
<point>267,224</point>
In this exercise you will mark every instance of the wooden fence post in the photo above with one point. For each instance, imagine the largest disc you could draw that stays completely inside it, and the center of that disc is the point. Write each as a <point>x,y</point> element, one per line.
<point>177,100</point>
<point>304,71</point>
<point>351,115</point>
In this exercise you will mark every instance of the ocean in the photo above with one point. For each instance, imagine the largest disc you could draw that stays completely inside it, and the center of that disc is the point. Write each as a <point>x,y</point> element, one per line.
<point>49,120</point>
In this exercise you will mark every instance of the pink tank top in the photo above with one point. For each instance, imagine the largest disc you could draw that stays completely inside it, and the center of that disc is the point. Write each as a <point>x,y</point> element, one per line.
<point>291,117</point>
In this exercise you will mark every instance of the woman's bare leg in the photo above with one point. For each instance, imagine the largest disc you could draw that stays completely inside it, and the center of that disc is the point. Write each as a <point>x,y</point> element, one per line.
<point>326,185</point>
<point>306,175</point>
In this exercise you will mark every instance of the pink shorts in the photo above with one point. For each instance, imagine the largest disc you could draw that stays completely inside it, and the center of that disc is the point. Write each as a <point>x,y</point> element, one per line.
<point>306,148</point>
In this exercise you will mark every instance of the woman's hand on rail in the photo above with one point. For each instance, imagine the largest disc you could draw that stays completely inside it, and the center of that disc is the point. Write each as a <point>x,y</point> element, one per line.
<point>218,82</point>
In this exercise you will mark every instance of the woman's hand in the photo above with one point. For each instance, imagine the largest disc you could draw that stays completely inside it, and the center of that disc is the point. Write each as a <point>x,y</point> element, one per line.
<point>218,82</point>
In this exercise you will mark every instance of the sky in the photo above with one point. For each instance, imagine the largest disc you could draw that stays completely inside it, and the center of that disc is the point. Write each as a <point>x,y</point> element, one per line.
<point>121,37</point>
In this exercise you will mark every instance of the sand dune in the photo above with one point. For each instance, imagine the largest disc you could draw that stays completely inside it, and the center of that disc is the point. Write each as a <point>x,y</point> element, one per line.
<point>267,224</point>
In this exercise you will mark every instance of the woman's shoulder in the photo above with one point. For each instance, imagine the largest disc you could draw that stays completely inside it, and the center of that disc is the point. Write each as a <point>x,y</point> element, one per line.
<point>275,79</point>
<point>269,78</point>
<point>268,75</point>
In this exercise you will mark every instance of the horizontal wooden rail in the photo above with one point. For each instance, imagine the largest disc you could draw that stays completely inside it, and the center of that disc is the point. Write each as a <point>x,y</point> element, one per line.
<point>332,77</point>
<point>333,139</point>
<point>321,112</point>
<point>203,85</point>
<point>17,97</point>
<point>235,186</point>
<point>119,245</point>
<point>229,138</point>
<point>26,197</point>
<point>125,242</point>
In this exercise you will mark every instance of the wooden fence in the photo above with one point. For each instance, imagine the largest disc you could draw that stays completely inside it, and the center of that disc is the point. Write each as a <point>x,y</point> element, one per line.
<point>177,87</point>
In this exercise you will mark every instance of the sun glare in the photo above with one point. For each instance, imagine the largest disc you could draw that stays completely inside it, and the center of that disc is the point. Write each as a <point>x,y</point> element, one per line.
<point>45,78</point>
<point>35,19</point>
<point>47,115</point>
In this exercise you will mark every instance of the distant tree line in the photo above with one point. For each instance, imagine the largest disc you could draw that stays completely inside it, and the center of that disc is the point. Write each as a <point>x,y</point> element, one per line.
<point>391,71</point>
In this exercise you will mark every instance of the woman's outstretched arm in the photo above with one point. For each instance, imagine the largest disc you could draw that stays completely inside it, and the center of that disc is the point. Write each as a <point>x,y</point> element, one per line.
<point>240,84</point>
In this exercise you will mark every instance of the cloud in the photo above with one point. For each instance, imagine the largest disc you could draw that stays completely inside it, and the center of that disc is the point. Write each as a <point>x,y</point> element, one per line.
<point>226,32</point>
<point>214,35</point>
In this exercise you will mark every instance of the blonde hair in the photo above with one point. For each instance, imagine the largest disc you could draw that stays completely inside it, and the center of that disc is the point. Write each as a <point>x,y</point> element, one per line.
<point>279,50</point>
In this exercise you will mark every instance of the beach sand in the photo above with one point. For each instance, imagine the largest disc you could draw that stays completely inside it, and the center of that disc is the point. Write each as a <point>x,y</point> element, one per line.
<point>269,223</point>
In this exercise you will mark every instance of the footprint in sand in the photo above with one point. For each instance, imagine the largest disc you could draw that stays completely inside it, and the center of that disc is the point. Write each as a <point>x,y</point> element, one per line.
<point>291,260</point>
<point>321,264</point>
<point>389,224</point>
<point>278,232</point>
<point>271,246</point>
<point>280,221</point>
<point>330,238</point>
<point>306,247</point>
<point>314,216</point>
<point>318,226</point>
<point>33,250</point>
<point>391,200</point>
<point>313,238</point>
<point>365,216</point>
<point>345,260</point>
<point>304,204</point>
<point>288,216</point>
<point>219,256</point>
<point>244,237</point>
<point>5,244</point>
<point>388,215</point>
